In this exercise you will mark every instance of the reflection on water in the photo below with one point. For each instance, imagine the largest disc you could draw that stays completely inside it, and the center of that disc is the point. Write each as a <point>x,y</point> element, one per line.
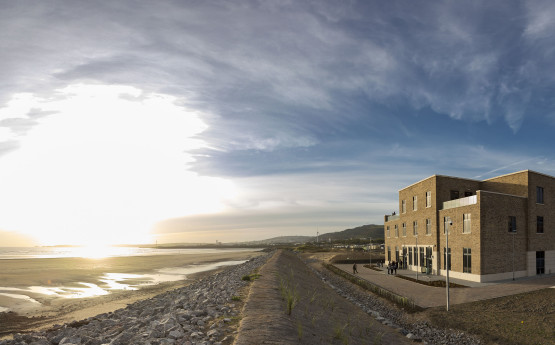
<point>112,281</point>
<point>17,296</point>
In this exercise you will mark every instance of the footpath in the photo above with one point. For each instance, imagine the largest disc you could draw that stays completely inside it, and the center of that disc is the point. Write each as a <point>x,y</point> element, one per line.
<point>428,296</point>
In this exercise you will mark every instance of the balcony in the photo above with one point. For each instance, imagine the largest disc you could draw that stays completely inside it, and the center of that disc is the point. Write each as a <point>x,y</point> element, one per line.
<point>469,200</point>
<point>392,217</point>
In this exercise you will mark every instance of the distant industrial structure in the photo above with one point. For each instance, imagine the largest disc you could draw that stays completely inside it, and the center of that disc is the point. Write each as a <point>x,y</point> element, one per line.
<point>499,228</point>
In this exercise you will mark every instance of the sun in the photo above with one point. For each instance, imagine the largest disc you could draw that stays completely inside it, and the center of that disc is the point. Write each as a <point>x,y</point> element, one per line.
<point>103,166</point>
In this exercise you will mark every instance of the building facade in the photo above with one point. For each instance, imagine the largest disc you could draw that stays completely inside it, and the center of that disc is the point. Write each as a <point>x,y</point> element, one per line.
<point>499,228</point>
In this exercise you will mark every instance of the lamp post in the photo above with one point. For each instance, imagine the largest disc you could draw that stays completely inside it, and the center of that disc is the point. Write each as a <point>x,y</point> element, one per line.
<point>514,233</point>
<point>447,226</point>
<point>416,255</point>
<point>370,251</point>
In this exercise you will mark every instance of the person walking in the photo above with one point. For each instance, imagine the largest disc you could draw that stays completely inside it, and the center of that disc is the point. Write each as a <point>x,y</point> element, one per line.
<point>355,271</point>
<point>395,266</point>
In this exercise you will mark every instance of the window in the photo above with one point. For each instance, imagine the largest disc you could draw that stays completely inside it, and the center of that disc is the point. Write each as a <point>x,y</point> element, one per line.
<point>466,223</point>
<point>512,224</point>
<point>396,231</point>
<point>403,206</point>
<point>405,229</point>
<point>467,260</point>
<point>454,194</point>
<point>428,226</point>
<point>388,253</point>
<point>387,231</point>
<point>466,194</point>
<point>414,203</point>
<point>410,255</point>
<point>539,195</point>
<point>539,225</point>
<point>428,199</point>
<point>447,260</point>
<point>415,228</point>
<point>422,262</point>
<point>396,254</point>
<point>415,256</point>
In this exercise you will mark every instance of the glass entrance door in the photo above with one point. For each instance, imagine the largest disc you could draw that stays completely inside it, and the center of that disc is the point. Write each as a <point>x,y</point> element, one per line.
<point>540,262</point>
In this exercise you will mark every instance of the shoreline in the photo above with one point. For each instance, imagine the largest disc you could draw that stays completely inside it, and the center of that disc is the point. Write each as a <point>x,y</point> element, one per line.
<point>56,310</point>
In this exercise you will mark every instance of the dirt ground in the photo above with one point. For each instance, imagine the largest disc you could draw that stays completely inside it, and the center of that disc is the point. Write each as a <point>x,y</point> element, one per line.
<point>318,315</point>
<point>527,318</point>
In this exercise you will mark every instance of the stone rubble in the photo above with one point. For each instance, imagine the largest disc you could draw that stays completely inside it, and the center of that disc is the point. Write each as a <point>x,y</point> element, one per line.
<point>195,314</point>
<point>373,305</point>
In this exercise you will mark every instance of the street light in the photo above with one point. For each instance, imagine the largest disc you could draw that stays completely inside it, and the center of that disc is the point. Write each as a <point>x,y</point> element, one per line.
<point>416,255</point>
<point>447,226</point>
<point>370,251</point>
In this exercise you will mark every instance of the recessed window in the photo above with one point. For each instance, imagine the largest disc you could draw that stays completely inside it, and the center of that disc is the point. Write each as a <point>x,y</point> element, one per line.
<point>387,231</point>
<point>454,194</point>
<point>403,206</point>
<point>466,223</point>
<point>467,194</point>
<point>428,226</point>
<point>415,256</point>
<point>539,195</point>
<point>388,253</point>
<point>410,255</point>
<point>512,224</point>
<point>428,199</point>
<point>539,224</point>
<point>405,229</point>
<point>414,203</point>
<point>467,260</point>
<point>396,231</point>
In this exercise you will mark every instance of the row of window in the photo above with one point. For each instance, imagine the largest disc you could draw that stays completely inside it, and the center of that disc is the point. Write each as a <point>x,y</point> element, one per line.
<point>539,224</point>
<point>467,223</point>
<point>416,256</point>
<point>414,228</point>
<point>415,202</point>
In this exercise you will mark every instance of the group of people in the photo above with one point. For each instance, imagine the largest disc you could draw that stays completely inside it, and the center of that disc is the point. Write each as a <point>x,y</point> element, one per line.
<point>392,267</point>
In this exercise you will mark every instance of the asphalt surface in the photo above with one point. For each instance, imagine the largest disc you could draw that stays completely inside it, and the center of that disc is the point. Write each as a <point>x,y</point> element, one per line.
<point>427,296</point>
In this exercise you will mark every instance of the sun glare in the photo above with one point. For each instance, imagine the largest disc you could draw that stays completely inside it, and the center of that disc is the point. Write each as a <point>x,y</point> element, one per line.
<point>95,252</point>
<point>103,167</point>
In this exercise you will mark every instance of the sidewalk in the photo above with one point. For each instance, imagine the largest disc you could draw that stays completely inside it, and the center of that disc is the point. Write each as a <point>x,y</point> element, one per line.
<point>427,296</point>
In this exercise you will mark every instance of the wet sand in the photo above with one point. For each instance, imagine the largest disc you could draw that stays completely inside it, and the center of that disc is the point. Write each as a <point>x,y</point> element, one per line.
<point>67,272</point>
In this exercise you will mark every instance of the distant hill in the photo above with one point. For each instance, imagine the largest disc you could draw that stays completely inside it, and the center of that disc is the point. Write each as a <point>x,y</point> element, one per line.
<point>365,231</point>
<point>284,239</point>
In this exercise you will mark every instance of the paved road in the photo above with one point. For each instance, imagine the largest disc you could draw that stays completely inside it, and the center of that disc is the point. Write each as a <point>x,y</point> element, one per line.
<point>426,296</point>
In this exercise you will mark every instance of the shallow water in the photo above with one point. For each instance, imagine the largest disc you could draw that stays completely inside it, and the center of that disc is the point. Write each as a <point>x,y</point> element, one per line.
<point>109,282</point>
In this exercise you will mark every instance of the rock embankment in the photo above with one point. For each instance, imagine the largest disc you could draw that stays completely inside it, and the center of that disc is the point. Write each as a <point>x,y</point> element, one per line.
<point>195,314</point>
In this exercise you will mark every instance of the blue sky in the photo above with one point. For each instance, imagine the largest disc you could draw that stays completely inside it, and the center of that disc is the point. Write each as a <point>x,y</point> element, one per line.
<point>281,117</point>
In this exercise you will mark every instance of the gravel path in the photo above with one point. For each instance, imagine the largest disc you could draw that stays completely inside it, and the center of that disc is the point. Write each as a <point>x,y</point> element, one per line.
<point>196,314</point>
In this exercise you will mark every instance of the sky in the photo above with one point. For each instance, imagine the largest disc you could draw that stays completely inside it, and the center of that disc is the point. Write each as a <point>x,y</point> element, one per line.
<point>202,121</point>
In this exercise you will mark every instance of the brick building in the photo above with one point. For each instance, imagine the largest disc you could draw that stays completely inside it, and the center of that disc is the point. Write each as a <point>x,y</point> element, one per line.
<point>499,228</point>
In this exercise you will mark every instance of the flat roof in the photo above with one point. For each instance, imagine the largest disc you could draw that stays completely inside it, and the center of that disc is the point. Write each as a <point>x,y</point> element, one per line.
<point>469,179</point>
